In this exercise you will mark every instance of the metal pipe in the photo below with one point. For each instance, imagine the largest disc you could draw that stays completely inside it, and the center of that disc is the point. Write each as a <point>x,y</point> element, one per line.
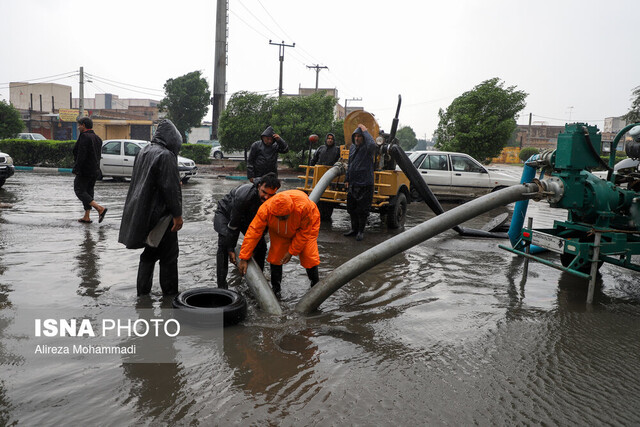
<point>337,170</point>
<point>401,242</point>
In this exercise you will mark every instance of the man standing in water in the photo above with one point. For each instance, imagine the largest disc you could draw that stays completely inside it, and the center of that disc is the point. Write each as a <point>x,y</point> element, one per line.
<point>233,216</point>
<point>152,214</point>
<point>86,154</point>
<point>359,180</point>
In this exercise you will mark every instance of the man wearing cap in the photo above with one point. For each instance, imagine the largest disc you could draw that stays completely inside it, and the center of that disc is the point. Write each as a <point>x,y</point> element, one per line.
<point>328,154</point>
<point>294,224</point>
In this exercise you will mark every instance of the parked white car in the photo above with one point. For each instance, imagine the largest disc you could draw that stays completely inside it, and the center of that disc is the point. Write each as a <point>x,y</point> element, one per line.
<point>6,167</point>
<point>458,175</point>
<point>118,157</point>
<point>32,136</point>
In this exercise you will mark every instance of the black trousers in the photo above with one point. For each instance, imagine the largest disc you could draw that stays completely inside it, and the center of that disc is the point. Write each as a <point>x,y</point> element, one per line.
<point>359,198</point>
<point>222,259</point>
<point>83,187</point>
<point>167,253</point>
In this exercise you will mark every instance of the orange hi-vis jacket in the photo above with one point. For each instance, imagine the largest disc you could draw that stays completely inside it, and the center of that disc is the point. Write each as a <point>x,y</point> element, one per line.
<point>297,235</point>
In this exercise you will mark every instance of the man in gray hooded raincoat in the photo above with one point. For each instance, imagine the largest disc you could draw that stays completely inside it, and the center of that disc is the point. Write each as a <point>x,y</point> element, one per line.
<point>152,213</point>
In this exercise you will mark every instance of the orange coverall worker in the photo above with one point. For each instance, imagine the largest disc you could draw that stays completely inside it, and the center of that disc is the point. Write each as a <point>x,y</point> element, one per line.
<point>294,224</point>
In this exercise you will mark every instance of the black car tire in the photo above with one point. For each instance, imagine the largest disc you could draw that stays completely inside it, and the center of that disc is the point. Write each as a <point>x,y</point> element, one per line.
<point>100,177</point>
<point>397,213</point>
<point>202,306</point>
<point>2,181</point>
<point>217,155</point>
<point>185,179</point>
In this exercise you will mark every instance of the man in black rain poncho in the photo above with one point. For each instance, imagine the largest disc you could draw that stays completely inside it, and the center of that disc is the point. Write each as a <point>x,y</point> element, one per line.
<point>359,180</point>
<point>263,154</point>
<point>152,213</point>
<point>234,214</point>
<point>328,154</point>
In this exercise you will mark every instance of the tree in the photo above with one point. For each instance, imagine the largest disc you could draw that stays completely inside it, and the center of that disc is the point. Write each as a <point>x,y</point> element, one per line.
<point>633,116</point>
<point>407,138</point>
<point>245,117</point>
<point>295,118</point>
<point>187,100</point>
<point>481,121</point>
<point>10,122</point>
<point>421,145</point>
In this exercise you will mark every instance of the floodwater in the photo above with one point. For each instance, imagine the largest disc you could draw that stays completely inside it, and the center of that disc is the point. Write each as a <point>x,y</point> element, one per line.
<point>446,333</point>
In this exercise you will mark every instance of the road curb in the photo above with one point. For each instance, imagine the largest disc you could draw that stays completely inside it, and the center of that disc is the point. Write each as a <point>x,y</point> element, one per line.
<point>69,170</point>
<point>43,169</point>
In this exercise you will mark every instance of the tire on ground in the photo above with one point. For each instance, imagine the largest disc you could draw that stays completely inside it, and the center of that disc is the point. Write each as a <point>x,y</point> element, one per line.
<point>204,306</point>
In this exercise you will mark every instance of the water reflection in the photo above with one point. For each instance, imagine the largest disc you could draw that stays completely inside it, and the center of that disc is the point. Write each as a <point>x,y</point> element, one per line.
<point>88,261</point>
<point>271,362</point>
<point>156,388</point>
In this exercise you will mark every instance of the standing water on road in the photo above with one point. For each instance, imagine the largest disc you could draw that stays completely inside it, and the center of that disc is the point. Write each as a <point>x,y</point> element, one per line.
<point>447,332</point>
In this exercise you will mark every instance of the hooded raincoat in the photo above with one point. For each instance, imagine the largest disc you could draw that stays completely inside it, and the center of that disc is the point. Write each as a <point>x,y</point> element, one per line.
<point>361,158</point>
<point>327,154</point>
<point>297,235</point>
<point>263,158</point>
<point>155,189</point>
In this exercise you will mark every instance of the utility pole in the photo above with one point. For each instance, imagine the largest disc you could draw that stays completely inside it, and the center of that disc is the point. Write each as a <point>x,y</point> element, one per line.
<point>81,114</point>
<point>346,113</point>
<point>317,68</point>
<point>281,47</point>
<point>220,65</point>
<point>529,133</point>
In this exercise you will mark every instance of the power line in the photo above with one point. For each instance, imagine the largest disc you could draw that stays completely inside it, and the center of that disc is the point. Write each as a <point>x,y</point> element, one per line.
<point>48,77</point>
<point>124,88</point>
<point>275,22</point>
<point>29,84</point>
<point>126,84</point>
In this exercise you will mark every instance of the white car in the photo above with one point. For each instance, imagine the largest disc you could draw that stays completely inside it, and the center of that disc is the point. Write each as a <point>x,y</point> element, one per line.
<point>6,167</point>
<point>118,157</point>
<point>32,136</point>
<point>458,175</point>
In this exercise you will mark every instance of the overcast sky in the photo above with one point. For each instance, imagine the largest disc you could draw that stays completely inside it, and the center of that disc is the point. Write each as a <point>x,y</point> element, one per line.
<point>574,58</point>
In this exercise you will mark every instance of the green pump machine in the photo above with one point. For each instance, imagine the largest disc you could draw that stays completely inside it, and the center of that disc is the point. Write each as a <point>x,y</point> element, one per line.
<point>603,221</point>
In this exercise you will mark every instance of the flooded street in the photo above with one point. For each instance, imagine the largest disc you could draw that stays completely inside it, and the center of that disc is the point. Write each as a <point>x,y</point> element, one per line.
<point>446,333</point>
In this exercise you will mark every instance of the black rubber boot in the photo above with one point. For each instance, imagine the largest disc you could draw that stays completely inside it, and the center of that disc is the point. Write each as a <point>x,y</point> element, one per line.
<point>276,279</point>
<point>362,222</point>
<point>354,227</point>
<point>222,268</point>
<point>312,274</point>
<point>145,277</point>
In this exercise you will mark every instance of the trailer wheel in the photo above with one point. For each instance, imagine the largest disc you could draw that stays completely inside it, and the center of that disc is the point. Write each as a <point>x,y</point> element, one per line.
<point>397,213</point>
